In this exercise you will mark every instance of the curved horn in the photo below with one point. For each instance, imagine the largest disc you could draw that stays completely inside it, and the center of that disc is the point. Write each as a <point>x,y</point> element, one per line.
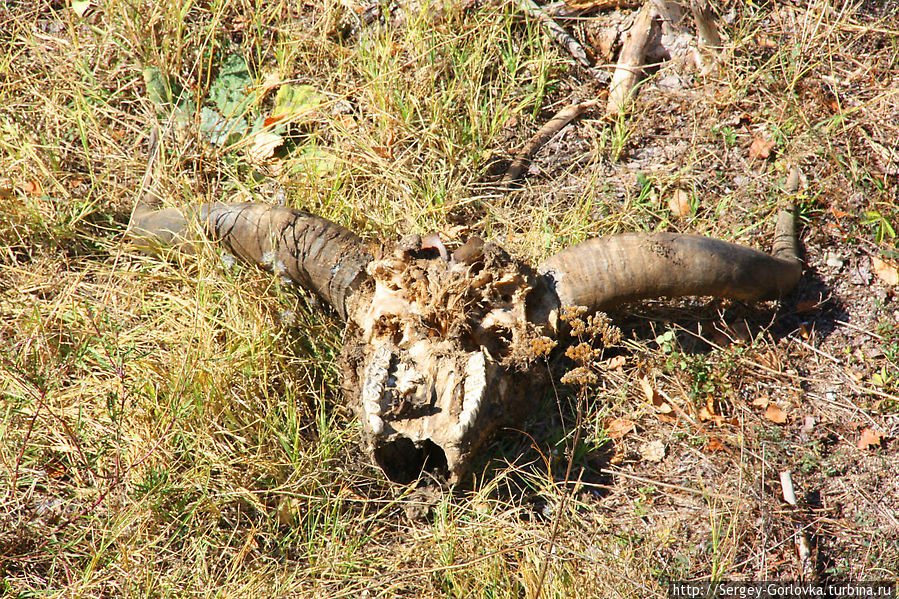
<point>311,251</point>
<point>603,273</point>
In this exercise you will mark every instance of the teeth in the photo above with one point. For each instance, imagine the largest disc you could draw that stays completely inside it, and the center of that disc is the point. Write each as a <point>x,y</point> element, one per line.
<point>475,385</point>
<point>376,424</point>
<point>373,386</point>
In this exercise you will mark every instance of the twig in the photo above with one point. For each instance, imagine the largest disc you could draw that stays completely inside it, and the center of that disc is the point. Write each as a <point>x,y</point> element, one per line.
<point>643,479</point>
<point>15,473</point>
<point>577,8</point>
<point>557,32</point>
<point>858,329</point>
<point>543,135</point>
<point>630,61</point>
<point>823,354</point>
<point>144,190</point>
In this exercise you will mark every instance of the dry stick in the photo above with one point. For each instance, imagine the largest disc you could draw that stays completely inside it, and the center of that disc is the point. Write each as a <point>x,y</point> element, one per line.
<point>15,473</point>
<point>543,135</point>
<point>643,479</point>
<point>557,32</point>
<point>630,61</point>
<point>576,8</point>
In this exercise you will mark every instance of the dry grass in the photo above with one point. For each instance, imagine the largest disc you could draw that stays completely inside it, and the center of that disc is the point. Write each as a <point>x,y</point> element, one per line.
<point>173,428</point>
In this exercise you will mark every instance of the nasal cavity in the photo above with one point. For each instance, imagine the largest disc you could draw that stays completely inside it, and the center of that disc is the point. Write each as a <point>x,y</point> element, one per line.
<point>403,460</point>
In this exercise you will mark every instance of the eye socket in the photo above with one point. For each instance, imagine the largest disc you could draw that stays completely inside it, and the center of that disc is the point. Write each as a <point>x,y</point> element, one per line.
<point>403,461</point>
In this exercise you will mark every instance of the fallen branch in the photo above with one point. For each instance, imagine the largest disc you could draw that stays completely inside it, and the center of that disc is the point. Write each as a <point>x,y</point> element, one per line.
<point>543,135</point>
<point>631,59</point>
<point>557,32</point>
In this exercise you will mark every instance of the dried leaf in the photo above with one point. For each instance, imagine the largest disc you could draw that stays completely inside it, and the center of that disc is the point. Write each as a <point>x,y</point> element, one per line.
<point>648,391</point>
<point>679,203</point>
<point>270,121</point>
<point>760,402</point>
<point>886,271</point>
<point>653,451</point>
<point>654,397</point>
<point>616,363</point>
<point>804,331</point>
<point>33,187</point>
<point>6,188</point>
<point>619,427</point>
<point>714,445</point>
<point>760,148</point>
<point>264,145</point>
<point>869,438</point>
<point>775,414</point>
<point>765,41</point>
<point>348,122</point>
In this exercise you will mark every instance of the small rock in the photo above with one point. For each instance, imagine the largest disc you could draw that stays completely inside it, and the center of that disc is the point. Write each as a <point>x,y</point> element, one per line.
<point>834,260</point>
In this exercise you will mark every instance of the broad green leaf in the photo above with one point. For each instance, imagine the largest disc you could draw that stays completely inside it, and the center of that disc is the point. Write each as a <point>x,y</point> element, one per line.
<point>166,96</point>
<point>229,90</point>
<point>315,161</point>
<point>294,101</point>
<point>158,88</point>
<point>219,130</point>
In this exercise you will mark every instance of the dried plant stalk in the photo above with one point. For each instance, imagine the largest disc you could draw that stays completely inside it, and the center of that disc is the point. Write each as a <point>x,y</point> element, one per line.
<point>557,32</point>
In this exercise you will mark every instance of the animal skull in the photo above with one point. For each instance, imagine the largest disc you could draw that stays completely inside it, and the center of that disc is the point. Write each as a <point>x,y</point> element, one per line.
<point>442,349</point>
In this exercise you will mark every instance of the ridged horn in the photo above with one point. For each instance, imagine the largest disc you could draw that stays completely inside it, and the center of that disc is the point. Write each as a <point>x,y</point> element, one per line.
<point>311,251</point>
<point>606,272</point>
